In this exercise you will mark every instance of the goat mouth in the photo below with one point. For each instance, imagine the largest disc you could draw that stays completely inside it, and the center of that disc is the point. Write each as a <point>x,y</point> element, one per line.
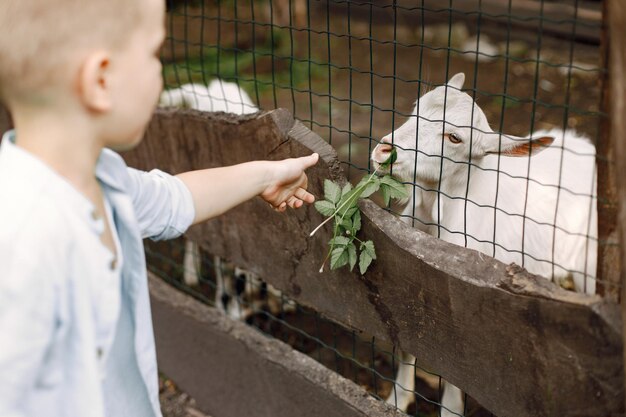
<point>380,169</point>
<point>396,166</point>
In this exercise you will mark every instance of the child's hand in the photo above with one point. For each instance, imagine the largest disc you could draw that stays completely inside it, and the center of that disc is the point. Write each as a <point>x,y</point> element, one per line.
<point>289,182</point>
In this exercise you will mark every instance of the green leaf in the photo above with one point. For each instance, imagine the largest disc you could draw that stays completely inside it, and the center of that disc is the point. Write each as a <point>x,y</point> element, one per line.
<point>325,207</point>
<point>367,255</point>
<point>350,211</point>
<point>392,158</point>
<point>384,189</point>
<point>349,199</point>
<point>352,255</point>
<point>364,261</point>
<point>346,207</point>
<point>339,241</point>
<point>339,257</point>
<point>395,188</point>
<point>368,247</point>
<point>364,181</point>
<point>356,221</point>
<point>346,223</point>
<point>371,187</point>
<point>342,203</point>
<point>332,192</point>
<point>346,189</point>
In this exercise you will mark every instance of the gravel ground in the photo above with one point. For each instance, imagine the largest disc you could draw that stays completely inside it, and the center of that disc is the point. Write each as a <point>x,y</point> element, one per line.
<point>174,402</point>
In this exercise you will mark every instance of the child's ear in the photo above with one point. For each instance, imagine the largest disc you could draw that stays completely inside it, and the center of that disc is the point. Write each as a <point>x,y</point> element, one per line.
<point>94,82</point>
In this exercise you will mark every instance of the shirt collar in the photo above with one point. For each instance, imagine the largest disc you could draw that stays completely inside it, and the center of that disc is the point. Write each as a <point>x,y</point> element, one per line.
<point>29,169</point>
<point>108,168</point>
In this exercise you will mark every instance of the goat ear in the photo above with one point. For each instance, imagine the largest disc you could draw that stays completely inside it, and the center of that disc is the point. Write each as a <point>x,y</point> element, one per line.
<point>457,80</point>
<point>522,146</point>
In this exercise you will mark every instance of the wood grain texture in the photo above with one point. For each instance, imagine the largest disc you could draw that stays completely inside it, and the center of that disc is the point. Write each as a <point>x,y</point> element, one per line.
<point>609,256</point>
<point>517,343</point>
<point>616,91</point>
<point>527,17</point>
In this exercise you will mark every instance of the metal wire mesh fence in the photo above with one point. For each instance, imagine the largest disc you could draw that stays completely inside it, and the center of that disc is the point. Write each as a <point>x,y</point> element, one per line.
<point>239,294</point>
<point>353,70</point>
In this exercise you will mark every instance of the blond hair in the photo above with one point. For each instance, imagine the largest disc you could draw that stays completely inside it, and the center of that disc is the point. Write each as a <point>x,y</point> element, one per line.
<point>40,38</point>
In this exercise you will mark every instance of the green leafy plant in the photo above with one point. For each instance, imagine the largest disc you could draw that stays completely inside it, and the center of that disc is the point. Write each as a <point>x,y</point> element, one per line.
<point>341,204</point>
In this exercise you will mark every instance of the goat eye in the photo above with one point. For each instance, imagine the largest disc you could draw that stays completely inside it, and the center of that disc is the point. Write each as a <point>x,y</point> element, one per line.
<point>454,138</point>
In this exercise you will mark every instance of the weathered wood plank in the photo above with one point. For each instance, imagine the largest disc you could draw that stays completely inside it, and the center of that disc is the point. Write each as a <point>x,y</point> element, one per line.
<point>608,271</point>
<point>616,92</point>
<point>527,16</point>
<point>515,342</point>
<point>232,370</point>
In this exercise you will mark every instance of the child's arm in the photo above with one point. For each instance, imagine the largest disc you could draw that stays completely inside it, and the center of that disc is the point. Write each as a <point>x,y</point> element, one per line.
<point>280,183</point>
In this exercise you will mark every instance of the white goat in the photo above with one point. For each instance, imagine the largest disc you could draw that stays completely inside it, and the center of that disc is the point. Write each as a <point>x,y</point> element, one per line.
<point>219,95</point>
<point>238,292</point>
<point>478,188</point>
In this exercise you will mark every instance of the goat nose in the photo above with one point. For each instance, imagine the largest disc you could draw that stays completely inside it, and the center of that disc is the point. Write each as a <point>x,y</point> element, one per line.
<point>384,147</point>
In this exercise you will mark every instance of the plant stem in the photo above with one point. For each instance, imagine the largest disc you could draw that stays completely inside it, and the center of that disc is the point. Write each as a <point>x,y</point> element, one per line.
<point>330,251</point>
<point>344,203</point>
<point>321,224</point>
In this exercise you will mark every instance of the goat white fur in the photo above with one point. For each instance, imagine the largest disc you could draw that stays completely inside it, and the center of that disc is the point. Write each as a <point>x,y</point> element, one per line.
<point>538,212</point>
<point>477,188</point>
<point>219,95</point>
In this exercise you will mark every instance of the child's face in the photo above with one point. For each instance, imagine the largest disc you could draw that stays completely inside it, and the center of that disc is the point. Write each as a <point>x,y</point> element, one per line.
<point>138,81</point>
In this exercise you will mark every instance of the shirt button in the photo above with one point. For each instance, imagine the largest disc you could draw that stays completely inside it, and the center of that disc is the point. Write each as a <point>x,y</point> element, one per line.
<point>113,264</point>
<point>94,215</point>
<point>99,353</point>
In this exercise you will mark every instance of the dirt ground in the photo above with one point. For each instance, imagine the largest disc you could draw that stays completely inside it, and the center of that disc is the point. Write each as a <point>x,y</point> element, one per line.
<point>176,403</point>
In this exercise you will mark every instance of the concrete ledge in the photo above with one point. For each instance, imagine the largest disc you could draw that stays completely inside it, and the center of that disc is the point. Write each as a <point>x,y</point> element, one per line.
<point>233,370</point>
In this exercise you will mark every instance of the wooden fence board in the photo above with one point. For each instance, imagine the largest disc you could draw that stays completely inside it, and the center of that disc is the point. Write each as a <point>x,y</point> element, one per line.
<point>530,16</point>
<point>517,343</point>
<point>608,269</point>
<point>615,94</point>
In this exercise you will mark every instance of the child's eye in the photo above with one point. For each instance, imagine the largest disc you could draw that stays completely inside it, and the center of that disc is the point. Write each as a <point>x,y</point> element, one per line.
<point>453,137</point>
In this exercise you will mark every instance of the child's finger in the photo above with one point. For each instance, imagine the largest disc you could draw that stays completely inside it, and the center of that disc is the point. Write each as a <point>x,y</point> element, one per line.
<point>309,161</point>
<point>304,195</point>
<point>294,202</point>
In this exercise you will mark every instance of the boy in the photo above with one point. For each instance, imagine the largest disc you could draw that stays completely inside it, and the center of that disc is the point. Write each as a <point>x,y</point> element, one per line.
<point>80,76</point>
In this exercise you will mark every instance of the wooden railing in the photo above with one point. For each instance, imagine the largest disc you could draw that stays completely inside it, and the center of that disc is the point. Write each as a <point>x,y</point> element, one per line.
<point>517,343</point>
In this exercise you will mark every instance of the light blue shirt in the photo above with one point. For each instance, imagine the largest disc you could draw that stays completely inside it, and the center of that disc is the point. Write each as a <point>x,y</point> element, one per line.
<point>76,335</point>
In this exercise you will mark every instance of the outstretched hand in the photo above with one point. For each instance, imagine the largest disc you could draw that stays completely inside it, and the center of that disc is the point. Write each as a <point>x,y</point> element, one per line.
<point>289,182</point>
